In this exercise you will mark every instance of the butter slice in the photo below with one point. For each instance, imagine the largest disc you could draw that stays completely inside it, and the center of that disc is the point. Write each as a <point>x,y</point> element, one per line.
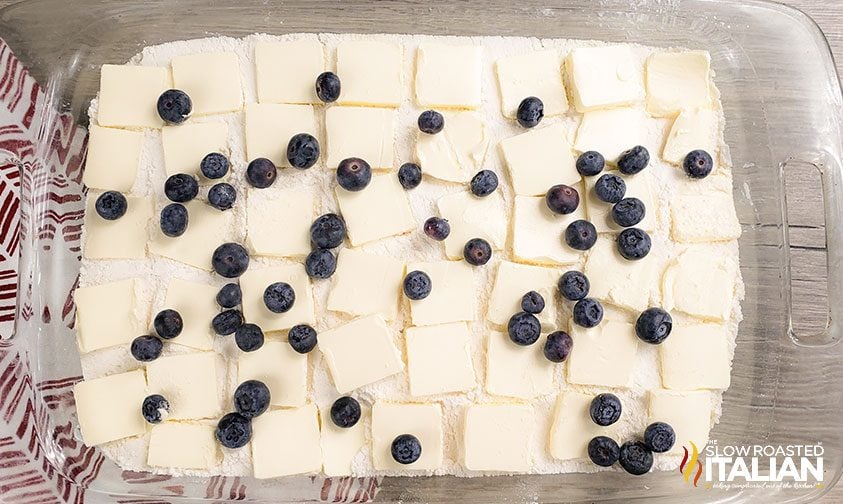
<point>360,352</point>
<point>689,413</point>
<point>623,283</point>
<point>196,303</point>
<point>439,359</point>
<point>610,132</point>
<point>255,281</point>
<point>517,371</point>
<point>112,160</point>
<point>278,221</point>
<point>270,126</point>
<point>123,238</point>
<point>366,284</point>
<point>696,357</point>
<point>572,426</point>
<point>189,382</point>
<point>452,297</point>
<point>692,129</point>
<point>700,282</point>
<point>678,80</point>
<point>206,230</point>
<point>637,186</point>
<point>512,282</point>
<point>108,408</point>
<point>537,232</point>
<point>390,420</point>
<point>286,442</point>
<point>537,73</point>
<point>603,355</point>
<point>276,83</point>
<point>129,94</point>
<point>363,132</point>
<point>186,144</point>
<point>339,445</point>
<point>472,217</point>
<point>703,217</point>
<point>498,437</point>
<point>448,76</point>
<point>212,80</point>
<point>605,77</point>
<point>457,152</point>
<point>183,446</point>
<point>106,316</point>
<point>280,368</point>
<point>378,211</point>
<point>370,71</point>
<point>539,159</point>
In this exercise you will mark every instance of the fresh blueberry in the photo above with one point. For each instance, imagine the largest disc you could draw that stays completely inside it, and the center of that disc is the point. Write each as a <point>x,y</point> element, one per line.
<point>261,173</point>
<point>588,312</point>
<point>174,220</point>
<point>146,348</point>
<point>532,302</point>
<point>530,112</point>
<point>229,295</point>
<point>409,175</point>
<point>222,196</point>
<point>628,212</point>
<point>562,199</point>
<point>635,458</point>
<point>633,160</point>
<point>214,165</point>
<point>590,163</point>
<point>581,235</point>
<point>698,164</point>
<point>327,231</point>
<point>345,412</point>
<point>279,297</point>
<point>605,409</point>
<point>303,151</point>
<point>251,398</point>
<point>168,324</point>
<point>354,174</point>
<point>477,251</point>
<point>610,188</point>
<point>558,346</point>
<point>226,322</point>
<point>603,451</point>
<point>181,187</point>
<point>230,260</point>
<point>174,106</point>
<point>234,430</point>
<point>437,228</point>
<point>417,285</point>
<point>653,325</point>
<point>302,338</point>
<point>155,408</point>
<point>659,437</point>
<point>111,205</point>
<point>248,337</point>
<point>320,263</point>
<point>634,243</point>
<point>406,449</point>
<point>328,87</point>
<point>431,122</point>
<point>484,183</point>
<point>524,328</point>
<point>573,285</point>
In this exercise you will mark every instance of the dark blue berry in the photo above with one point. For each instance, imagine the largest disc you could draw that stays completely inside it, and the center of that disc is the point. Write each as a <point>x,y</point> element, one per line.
<point>146,348</point>
<point>634,243</point>
<point>354,174</point>
<point>653,325</point>
<point>251,398</point>
<point>168,324</point>
<point>234,430</point>
<point>174,106</point>
<point>573,285</point>
<point>484,183</point>
<point>174,220</point>
<point>530,112</point>
<point>327,231</point>
<point>437,228</point>
<point>155,408</point>
<point>302,338</point>
<point>409,175</point>
<point>698,164</point>
<point>558,346</point>
<point>633,160</point>
<point>628,212</point>
<point>524,328</point>
<point>562,199</point>
<point>328,87</point>
<point>303,151</point>
<point>279,297</point>
<point>431,122</point>
<point>603,451</point>
<point>532,302</point>
<point>590,163</point>
<point>659,437</point>
<point>320,263</point>
<point>181,187</point>
<point>222,196</point>
<point>406,449</point>
<point>477,251</point>
<point>610,188</point>
<point>261,173</point>
<point>226,322</point>
<point>345,412</point>
<point>230,260</point>
<point>588,312</point>
<point>229,295</point>
<point>605,409</point>
<point>417,285</point>
<point>581,235</point>
<point>111,205</point>
<point>214,165</point>
<point>248,337</point>
<point>635,458</point>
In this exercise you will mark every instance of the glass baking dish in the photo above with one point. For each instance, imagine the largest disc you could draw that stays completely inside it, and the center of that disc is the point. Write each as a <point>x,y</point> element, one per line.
<point>782,102</point>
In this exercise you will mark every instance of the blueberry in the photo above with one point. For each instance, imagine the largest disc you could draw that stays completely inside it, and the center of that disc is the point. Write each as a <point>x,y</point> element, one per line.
<point>181,187</point>
<point>302,338</point>
<point>590,163</point>
<point>573,285</point>
<point>406,449</point>
<point>628,212</point>
<point>603,451</point>
<point>345,412</point>
<point>229,295</point>
<point>588,312</point>
<point>437,228</point>
<point>653,325</point>
<point>226,322</point>
<point>214,165</point>
<point>168,324</point>
<point>409,175</point>
<point>581,235</point>
<point>605,409</point>
<point>634,243</point>
<point>248,337</point>
<point>698,164</point>
<point>155,408</point>
<point>327,231</point>
<point>354,174</point>
<point>530,112</point>
<point>222,196</point>
<point>174,220</point>
<point>251,398</point>
<point>146,348</point>
<point>328,87</point>
<point>524,328</point>
<point>303,151</point>
<point>234,430</point>
<point>562,199</point>
<point>174,106</point>
<point>261,173</point>
<point>635,458</point>
<point>477,251</point>
<point>558,346</point>
<point>320,263</point>
<point>532,302</point>
<point>417,285</point>
<point>111,205</point>
<point>431,122</point>
<point>633,160</point>
<point>484,183</point>
<point>659,437</point>
<point>610,188</point>
<point>230,260</point>
<point>279,297</point>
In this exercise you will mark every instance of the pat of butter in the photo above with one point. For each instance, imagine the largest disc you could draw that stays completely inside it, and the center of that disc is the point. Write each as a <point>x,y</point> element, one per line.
<point>370,72</point>
<point>276,83</point>
<point>517,371</point>
<point>439,359</point>
<point>129,94</point>
<point>537,232</point>
<point>390,420</point>
<point>280,368</point>
<point>605,77</point>
<point>692,129</point>
<point>700,282</point>
<point>603,355</point>
<point>360,352</point>
<point>366,284</point>
<point>572,426</point>
<point>378,211</point>
<point>363,132</point>
<point>106,316</point>
<point>255,281</point>
<point>637,186</point>
<point>270,126</point>
<point>537,73</point>
<point>457,152</point>
<point>212,80</point>
<point>189,382</point>
<point>123,238</point>
<point>452,297</point>
<point>278,221</point>
<point>623,283</point>
<point>512,282</point>
<point>109,408</point>
<point>497,437</point>
<point>449,76</point>
<point>472,217</point>
<point>112,160</point>
<point>286,442</point>
<point>610,132</point>
<point>539,159</point>
<point>186,144</point>
<point>704,217</point>
<point>689,413</point>
<point>206,230</point>
<point>340,445</point>
<point>696,356</point>
<point>183,446</point>
<point>678,80</point>
<point>196,303</point>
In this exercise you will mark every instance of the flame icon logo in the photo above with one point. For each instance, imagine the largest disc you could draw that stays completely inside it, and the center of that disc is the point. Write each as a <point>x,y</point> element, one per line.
<point>686,467</point>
